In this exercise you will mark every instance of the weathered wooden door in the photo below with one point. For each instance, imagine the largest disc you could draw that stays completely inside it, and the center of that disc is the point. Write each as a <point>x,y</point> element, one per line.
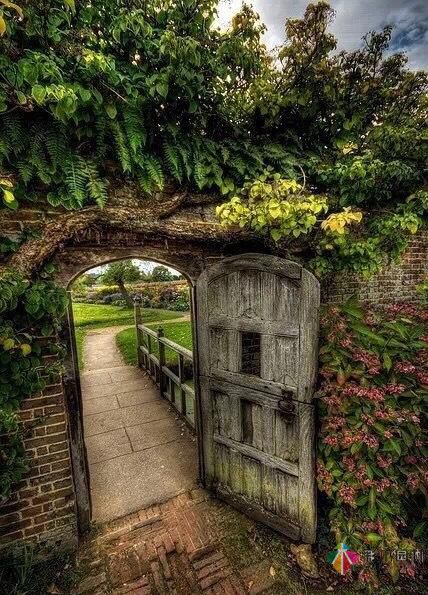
<point>257,331</point>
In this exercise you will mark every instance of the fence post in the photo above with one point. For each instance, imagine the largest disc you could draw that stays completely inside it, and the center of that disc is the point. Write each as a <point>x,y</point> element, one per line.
<point>181,377</point>
<point>161,346</point>
<point>138,320</point>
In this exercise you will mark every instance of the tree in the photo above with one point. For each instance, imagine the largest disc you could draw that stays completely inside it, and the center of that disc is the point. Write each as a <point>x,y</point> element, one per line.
<point>119,273</point>
<point>152,91</point>
<point>161,273</point>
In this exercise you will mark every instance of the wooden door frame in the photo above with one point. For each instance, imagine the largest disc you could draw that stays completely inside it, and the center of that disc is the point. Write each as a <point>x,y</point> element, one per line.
<point>74,412</point>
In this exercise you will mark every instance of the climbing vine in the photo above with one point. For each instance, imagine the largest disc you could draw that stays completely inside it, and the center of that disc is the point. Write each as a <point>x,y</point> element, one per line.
<point>28,313</point>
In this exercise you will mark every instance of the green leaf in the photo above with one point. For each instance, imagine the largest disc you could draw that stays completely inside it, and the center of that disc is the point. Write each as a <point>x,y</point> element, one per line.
<point>26,349</point>
<point>392,446</point>
<point>111,110</point>
<point>373,538</point>
<point>387,361</point>
<point>38,93</point>
<point>21,97</point>
<point>162,89</point>
<point>420,529</point>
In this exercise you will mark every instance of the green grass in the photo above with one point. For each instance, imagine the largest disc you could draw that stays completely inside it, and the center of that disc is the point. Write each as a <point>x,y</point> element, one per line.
<point>179,332</point>
<point>103,315</point>
<point>92,316</point>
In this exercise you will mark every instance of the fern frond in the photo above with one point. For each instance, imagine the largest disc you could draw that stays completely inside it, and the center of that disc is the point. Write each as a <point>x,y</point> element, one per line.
<point>25,170</point>
<point>38,156</point>
<point>200,174</point>
<point>76,179</point>
<point>172,157</point>
<point>154,170</point>
<point>135,130</point>
<point>121,146</point>
<point>96,186</point>
<point>56,145</point>
<point>144,180</point>
<point>101,146</point>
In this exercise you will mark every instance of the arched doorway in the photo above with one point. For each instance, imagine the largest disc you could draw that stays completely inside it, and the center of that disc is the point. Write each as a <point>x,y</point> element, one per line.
<point>256,342</point>
<point>140,451</point>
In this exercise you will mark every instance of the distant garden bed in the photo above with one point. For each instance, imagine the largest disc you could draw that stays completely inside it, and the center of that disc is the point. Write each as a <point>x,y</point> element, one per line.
<point>169,295</point>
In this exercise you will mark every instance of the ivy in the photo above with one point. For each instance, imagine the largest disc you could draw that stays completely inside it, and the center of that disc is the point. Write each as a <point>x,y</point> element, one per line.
<point>28,312</point>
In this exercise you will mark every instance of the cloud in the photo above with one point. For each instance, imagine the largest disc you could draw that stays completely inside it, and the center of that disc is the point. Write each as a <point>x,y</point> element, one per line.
<point>353,20</point>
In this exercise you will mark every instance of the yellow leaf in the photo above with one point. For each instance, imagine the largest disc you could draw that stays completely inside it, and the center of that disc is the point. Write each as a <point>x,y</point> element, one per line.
<point>8,196</point>
<point>5,182</point>
<point>8,344</point>
<point>70,4</point>
<point>26,349</point>
<point>2,26</point>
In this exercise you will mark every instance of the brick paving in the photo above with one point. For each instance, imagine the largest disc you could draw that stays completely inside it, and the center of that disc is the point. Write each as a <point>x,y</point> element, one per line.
<point>172,548</point>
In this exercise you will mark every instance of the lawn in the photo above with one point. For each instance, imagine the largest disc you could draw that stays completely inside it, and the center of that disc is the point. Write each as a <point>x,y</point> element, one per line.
<point>92,316</point>
<point>179,332</point>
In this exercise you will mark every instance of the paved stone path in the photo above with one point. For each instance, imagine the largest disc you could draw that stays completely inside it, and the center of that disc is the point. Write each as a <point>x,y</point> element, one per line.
<point>139,452</point>
<point>168,537</point>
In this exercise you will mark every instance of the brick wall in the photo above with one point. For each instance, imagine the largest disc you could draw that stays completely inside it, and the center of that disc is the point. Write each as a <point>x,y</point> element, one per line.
<point>42,506</point>
<point>396,283</point>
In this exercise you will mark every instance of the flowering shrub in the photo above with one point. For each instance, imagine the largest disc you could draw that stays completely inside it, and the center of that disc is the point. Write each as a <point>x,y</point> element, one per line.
<point>372,453</point>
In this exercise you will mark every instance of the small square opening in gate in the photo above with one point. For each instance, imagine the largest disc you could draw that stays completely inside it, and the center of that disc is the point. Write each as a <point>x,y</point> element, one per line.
<point>250,353</point>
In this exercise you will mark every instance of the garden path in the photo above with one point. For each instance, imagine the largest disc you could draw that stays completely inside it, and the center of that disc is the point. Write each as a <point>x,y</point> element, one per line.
<point>139,452</point>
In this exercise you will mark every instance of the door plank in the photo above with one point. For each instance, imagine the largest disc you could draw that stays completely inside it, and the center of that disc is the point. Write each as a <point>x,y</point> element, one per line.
<point>257,455</point>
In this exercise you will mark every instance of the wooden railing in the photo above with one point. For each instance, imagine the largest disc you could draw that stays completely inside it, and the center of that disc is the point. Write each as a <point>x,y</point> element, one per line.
<point>169,365</point>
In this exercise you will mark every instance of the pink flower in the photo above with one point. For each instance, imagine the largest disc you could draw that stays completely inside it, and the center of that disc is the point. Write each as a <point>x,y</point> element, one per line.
<point>422,377</point>
<point>349,463</point>
<point>408,569</point>
<point>370,360</point>
<point>387,434</point>
<point>336,422</point>
<point>347,494</point>
<point>394,389</point>
<point>384,461</point>
<point>371,441</point>
<point>331,440</point>
<point>411,460</point>
<point>368,577</point>
<point>413,481</point>
<point>367,419</point>
<point>361,473</point>
<point>404,367</point>
<point>371,393</point>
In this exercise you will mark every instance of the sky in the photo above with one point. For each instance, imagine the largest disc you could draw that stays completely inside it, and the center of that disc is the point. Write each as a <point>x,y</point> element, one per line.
<point>353,19</point>
<point>144,265</point>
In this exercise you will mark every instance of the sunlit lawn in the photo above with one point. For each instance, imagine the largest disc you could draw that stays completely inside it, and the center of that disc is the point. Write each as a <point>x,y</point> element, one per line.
<point>93,316</point>
<point>179,332</point>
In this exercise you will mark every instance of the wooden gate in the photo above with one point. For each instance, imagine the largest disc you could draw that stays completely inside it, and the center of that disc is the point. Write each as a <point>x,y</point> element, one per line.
<point>257,332</point>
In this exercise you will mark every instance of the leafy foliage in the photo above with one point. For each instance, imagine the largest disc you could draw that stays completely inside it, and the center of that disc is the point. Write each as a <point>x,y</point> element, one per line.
<point>153,90</point>
<point>372,442</point>
<point>119,273</point>
<point>147,90</point>
<point>27,314</point>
